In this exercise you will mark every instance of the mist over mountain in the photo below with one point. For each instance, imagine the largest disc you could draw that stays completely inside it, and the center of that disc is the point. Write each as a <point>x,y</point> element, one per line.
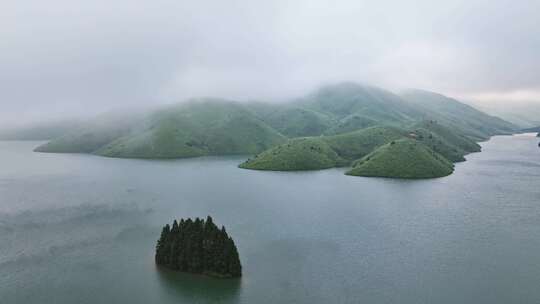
<point>523,114</point>
<point>330,127</point>
<point>63,58</point>
<point>39,131</point>
<point>357,151</point>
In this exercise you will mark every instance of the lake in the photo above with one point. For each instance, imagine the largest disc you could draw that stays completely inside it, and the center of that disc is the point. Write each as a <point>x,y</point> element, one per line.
<point>82,229</point>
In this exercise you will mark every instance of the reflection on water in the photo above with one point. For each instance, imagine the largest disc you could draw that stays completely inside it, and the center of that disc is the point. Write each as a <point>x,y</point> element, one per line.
<point>191,288</point>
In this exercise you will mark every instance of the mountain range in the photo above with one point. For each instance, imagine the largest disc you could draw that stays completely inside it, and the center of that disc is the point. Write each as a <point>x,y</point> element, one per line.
<point>336,125</point>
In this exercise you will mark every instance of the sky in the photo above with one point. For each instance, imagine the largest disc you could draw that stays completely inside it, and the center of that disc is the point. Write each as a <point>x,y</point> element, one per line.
<point>62,58</point>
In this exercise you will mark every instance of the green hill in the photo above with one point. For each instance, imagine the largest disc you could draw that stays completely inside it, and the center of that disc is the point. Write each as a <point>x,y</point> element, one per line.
<point>460,117</point>
<point>292,121</point>
<point>353,145</point>
<point>347,99</point>
<point>308,153</point>
<point>336,109</point>
<point>201,127</point>
<point>439,145</point>
<point>346,107</point>
<point>455,139</point>
<point>351,123</point>
<point>442,140</point>
<point>322,152</point>
<point>404,158</point>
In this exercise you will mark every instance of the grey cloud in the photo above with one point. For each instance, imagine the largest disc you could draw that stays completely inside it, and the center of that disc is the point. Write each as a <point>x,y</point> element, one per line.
<point>65,57</point>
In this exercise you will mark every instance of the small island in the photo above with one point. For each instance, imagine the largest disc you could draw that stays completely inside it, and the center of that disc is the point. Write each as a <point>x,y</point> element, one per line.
<point>198,247</point>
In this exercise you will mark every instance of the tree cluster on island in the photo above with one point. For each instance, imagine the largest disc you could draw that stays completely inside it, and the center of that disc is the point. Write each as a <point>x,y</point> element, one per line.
<point>199,247</point>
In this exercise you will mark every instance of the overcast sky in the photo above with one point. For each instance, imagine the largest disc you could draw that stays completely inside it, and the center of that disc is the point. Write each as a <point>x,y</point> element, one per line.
<point>64,57</point>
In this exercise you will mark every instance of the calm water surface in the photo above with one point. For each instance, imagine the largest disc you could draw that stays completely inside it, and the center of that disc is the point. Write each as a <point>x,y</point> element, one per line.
<point>82,229</point>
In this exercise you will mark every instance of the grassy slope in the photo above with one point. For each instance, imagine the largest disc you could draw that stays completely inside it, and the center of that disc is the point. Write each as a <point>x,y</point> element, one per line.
<point>345,100</point>
<point>440,145</point>
<point>347,107</point>
<point>337,109</point>
<point>351,123</point>
<point>464,143</point>
<point>308,153</point>
<point>293,121</point>
<point>204,127</point>
<point>353,145</point>
<point>322,152</point>
<point>404,158</point>
<point>460,117</point>
<point>442,140</point>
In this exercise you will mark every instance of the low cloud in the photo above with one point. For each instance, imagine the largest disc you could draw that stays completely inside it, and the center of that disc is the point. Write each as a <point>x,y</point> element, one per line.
<point>62,58</point>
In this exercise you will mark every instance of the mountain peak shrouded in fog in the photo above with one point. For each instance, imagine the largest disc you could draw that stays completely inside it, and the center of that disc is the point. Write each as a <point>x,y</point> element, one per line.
<point>63,58</point>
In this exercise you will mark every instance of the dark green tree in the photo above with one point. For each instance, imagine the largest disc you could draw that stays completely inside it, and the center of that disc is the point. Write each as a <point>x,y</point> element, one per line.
<point>198,246</point>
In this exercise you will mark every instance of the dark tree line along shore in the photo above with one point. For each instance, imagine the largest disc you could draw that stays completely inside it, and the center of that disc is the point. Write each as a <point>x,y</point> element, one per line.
<point>200,247</point>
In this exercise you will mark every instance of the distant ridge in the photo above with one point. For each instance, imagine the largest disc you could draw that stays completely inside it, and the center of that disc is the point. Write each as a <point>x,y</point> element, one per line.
<point>531,130</point>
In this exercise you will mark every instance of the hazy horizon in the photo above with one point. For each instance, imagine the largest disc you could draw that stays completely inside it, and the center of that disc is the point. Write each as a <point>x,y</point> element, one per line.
<point>65,59</point>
